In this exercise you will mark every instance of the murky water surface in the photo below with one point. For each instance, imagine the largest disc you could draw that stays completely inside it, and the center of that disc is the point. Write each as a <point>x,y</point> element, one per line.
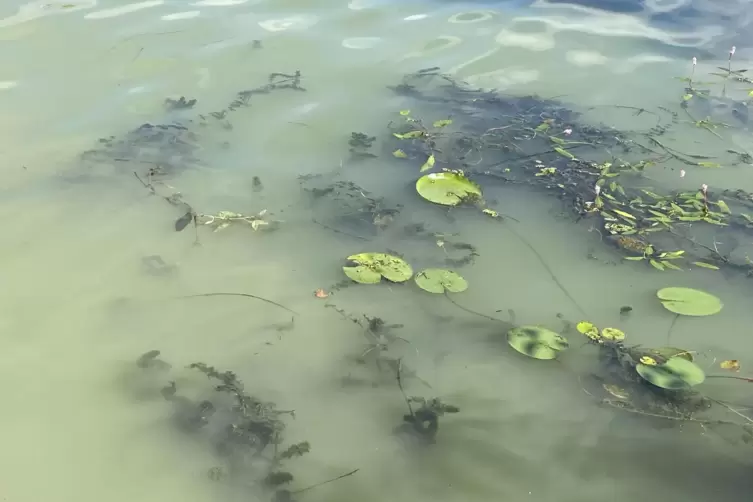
<point>94,273</point>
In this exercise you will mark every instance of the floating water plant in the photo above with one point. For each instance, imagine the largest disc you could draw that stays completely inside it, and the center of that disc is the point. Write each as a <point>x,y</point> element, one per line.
<point>448,188</point>
<point>536,342</point>
<point>607,334</point>
<point>689,302</point>
<point>438,280</point>
<point>224,219</point>
<point>369,268</point>
<point>677,373</point>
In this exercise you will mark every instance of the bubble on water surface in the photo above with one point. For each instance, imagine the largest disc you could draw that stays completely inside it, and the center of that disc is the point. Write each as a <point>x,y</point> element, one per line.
<point>361,42</point>
<point>123,9</point>
<point>190,14</point>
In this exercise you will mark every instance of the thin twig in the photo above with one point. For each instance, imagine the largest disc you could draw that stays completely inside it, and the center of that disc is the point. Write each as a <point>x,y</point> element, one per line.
<point>549,270</point>
<point>472,311</point>
<point>245,295</point>
<point>328,481</point>
<point>400,386</point>
<point>748,419</point>
<point>621,406</point>
<point>669,331</point>
<point>340,231</point>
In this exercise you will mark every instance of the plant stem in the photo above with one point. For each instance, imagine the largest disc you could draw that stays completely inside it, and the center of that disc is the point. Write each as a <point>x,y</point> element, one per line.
<point>244,295</point>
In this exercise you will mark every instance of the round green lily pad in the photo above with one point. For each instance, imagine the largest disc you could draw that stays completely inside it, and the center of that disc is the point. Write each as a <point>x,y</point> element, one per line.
<point>362,274</point>
<point>536,342</point>
<point>438,280</point>
<point>390,267</point>
<point>687,301</point>
<point>447,188</point>
<point>676,374</point>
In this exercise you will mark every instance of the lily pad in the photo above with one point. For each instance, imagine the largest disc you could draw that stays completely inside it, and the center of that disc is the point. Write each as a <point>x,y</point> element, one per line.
<point>447,188</point>
<point>589,329</point>
<point>612,334</point>
<point>362,274</point>
<point>390,267</point>
<point>676,374</point>
<point>690,302</point>
<point>437,280</point>
<point>536,342</point>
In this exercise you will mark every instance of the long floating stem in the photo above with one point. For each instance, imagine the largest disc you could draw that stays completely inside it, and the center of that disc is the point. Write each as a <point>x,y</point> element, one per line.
<point>244,295</point>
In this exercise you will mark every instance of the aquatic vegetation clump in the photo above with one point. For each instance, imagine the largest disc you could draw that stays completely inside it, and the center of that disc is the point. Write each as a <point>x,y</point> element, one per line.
<point>369,268</point>
<point>246,432</point>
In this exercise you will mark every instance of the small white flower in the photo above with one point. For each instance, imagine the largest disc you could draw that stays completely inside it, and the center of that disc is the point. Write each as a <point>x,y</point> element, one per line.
<point>695,61</point>
<point>732,51</point>
<point>704,188</point>
<point>682,173</point>
<point>568,132</point>
<point>597,189</point>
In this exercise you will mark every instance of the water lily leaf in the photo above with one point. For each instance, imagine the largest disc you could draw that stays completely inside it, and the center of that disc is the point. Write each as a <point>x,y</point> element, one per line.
<point>390,267</point>
<point>404,113</point>
<point>362,274</point>
<point>675,374</point>
<point>648,361</point>
<point>437,280</point>
<point>705,265</point>
<point>409,135</point>
<point>613,334</point>
<point>428,164</point>
<point>536,342</point>
<point>447,188</point>
<point>588,329</point>
<point>564,152</point>
<point>691,302</point>
<point>442,123</point>
<point>400,154</point>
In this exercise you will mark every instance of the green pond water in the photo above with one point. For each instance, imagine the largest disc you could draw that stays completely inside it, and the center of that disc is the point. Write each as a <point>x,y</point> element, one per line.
<point>81,300</point>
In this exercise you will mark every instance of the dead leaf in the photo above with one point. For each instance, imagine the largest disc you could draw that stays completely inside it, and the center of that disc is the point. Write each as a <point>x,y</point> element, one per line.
<point>732,365</point>
<point>320,293</point>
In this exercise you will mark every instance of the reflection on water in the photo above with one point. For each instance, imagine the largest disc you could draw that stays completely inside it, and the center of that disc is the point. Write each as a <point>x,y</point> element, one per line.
<point>107,154</point>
